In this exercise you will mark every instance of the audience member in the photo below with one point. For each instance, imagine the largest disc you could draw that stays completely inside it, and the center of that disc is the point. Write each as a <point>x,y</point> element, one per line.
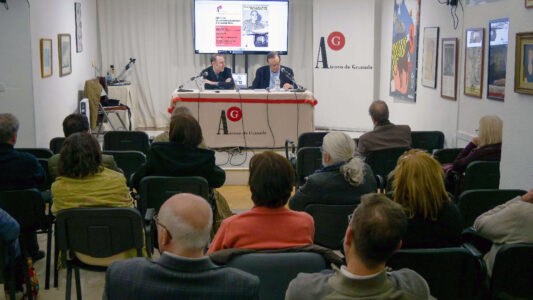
<point>508,223</point>
<point>182,272</point>
<point>182,157</point>
<point>20,170</point>
<point>84,182</point>
<point>269,224</point>
<point>385,134</point>
<point>74,123</point>
<point>343,179</point>
<point>373,235</point>
<point>164,136</point>
<point>433,219</point>
<point>9,233</point>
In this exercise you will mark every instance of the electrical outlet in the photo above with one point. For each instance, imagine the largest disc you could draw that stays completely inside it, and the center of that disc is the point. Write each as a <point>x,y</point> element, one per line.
<point>2,88</point>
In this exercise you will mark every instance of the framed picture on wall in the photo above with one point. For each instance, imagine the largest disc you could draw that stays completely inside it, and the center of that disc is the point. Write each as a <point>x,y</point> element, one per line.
<point>65,62</point>
<point>497,71</point>
<point>474,58</point>
<point>430,57</point>
<point>529,3</point>
<point>46,58</point>
<point>523,82</point>
<point>77,13</point>
<point>448,74</point>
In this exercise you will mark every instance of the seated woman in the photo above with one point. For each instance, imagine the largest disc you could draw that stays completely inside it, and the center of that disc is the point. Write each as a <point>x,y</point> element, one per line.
<point>165,137</point>
<point>508,223</point>
<point>269,224</point>
<point>84,182</point>
<point>182,157</point>
<point>434,221</point>
<point>343,180</point>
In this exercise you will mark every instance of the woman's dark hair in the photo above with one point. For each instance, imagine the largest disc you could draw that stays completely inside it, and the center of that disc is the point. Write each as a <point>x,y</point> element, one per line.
<point>184,129</point>
<point>80,156</point>
<point>271,179</point>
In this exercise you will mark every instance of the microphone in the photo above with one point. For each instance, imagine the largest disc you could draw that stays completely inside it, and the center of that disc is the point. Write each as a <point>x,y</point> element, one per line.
<point>180,88</point>
<point>297,87</point>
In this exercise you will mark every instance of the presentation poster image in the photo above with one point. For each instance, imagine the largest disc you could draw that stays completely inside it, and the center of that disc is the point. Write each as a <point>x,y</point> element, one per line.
<point>405,28</point>
<point>240,26</point>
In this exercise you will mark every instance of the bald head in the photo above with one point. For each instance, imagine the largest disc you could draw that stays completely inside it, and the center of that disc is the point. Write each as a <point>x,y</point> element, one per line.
<point>379,111</point>
<point>188,218</point>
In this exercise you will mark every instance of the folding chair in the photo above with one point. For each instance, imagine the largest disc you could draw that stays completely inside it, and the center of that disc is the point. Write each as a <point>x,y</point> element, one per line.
<point>127,161</point>
<point>306,139</point>
<point>383,162</point>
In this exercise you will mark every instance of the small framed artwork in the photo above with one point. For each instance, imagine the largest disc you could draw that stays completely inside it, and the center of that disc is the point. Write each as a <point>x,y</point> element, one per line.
<point>497,71</point>
<point>474,58</point>
<point>448,77</point>
<point>430,57</point>
<point>529,3</point>
<point>77,13</point>
<point>65,62</point>
<point>523,82</point>
<point>46,58</point>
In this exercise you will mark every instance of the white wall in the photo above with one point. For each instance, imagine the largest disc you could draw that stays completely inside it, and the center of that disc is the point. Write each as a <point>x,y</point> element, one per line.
<point>56,97</point>
<point>430,111</point>
<point>16,69</point>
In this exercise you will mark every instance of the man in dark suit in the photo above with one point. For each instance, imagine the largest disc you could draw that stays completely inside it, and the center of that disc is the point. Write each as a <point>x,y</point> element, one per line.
<point>182,272</point>
<point>385,134</point>
<point>218,77</point>
<point>265,77</point>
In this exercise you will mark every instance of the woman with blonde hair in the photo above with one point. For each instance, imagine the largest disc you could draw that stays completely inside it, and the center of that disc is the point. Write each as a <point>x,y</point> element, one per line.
<point>343,180</point>
<point>486,146</point>
<point>434,221</point>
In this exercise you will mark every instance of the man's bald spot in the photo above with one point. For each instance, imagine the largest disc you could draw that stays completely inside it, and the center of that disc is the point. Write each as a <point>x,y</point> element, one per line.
<point>379,111</point>
<point>192,209</point>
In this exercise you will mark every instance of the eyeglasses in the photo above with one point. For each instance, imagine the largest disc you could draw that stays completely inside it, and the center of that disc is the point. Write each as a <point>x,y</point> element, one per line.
<point>350,216</point>
<point>156,219</point>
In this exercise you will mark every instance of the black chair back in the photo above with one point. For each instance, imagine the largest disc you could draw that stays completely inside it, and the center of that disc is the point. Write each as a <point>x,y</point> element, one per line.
<point>512,275</point>
<point>331,222</point>
<point>308,160</point>
<point>37,152</point>
<point>383,162</point>
<point>427,140</point>
<point>47,183</point>
<point>126,141</point>
<point>7,270</point>
<point>99,232</point>
<point>56,144</point>
<point>473,203</point>
<point>127,161</point>
<point>276,270</point>
<point>482,175</point>
<point>25,206</point>
<point>448,155</point>
<point>155,190</point>
<point>452,273</point>
<point>311,139</point>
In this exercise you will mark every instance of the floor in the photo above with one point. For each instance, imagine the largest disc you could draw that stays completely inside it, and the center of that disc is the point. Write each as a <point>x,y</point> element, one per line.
<point>93,283</point>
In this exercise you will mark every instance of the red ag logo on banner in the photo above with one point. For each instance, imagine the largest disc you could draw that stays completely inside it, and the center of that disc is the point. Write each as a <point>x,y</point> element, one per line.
<point>336,41</point>
<point>234,114</point>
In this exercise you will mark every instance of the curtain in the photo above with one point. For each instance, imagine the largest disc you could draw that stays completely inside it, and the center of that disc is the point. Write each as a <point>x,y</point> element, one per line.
<point>159,35</point>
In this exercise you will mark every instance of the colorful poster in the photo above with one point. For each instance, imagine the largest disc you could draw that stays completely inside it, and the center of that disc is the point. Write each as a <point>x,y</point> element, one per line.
<point>498,41</point>
<point>430,57</point>
<point>406,22</point>
<point>474,62</point>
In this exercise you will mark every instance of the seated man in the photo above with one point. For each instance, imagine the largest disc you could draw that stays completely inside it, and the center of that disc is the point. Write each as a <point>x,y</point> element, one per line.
<point>218,76</point>
<point>265,77</point>
<point>20,170</point>
<point>182,272</point>
<point>374,233</point>
<point>385,134</point>
<point>508,223</point>
<point>74,123</point>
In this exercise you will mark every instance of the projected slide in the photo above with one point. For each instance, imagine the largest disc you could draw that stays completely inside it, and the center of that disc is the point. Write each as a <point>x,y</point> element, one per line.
<point>230,26</point>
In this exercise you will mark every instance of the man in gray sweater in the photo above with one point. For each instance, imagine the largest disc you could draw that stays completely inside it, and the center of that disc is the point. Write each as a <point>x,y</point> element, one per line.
<point>374,233</point>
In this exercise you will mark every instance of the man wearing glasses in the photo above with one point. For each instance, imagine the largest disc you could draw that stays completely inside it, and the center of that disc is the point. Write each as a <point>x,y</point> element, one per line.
<point>182,272</point>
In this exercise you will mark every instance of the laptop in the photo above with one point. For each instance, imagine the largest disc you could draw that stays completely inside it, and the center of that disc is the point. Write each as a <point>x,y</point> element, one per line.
<point>240,79</point>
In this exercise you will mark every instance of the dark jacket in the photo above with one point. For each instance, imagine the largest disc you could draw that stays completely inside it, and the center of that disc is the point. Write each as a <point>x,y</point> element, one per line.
<point>472,153</point>
<point>444,232</point>
<point>221,79</point>
<point>385,136</point>
<point>19,170</point>
<point>328,186</point>
<point>262,77</point>
<point>173,159</point>
<point>174,277</point>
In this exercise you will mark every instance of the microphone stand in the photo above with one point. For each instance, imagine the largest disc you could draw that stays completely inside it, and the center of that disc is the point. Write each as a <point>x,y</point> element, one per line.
<point>181,89</point>
<point>300,88</point>
<point>117,79</point>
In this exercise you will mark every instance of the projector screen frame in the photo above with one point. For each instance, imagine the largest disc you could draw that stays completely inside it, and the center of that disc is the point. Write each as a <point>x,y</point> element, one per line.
<point>253,52</point>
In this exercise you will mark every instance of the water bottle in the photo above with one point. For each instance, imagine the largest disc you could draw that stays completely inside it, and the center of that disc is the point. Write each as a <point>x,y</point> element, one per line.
<point>276,84</point>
